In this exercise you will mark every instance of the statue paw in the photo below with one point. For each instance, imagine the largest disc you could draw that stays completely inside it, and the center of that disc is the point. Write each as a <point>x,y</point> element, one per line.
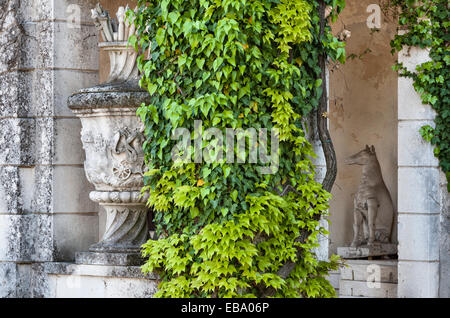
<point>354,244</point>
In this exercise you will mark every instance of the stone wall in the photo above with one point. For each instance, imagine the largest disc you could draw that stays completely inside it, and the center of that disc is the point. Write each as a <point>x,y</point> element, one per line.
<point>48,49</point>
<point>423,219</point>
<point>47,53</point>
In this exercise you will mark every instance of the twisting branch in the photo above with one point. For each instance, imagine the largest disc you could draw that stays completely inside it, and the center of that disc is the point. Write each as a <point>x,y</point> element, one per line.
<point>322,122</point>
<point>327,146</point>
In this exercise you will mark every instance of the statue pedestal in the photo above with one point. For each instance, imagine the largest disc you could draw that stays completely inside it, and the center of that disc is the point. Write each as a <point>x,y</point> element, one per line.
<point>118,259</point>
<point>365,251</point>
<point>368,279</point>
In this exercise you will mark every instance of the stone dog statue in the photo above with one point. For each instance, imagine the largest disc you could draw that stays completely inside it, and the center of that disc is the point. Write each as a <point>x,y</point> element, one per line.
<point>373,206</point>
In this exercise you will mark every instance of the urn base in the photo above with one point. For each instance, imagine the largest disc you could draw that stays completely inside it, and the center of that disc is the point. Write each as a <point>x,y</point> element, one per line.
<point>107,258</point>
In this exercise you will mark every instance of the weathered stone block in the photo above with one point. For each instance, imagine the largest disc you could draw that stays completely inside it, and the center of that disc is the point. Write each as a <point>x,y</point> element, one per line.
<point>39,285</point>
<point>35,10</point>
<point>8,281</point>
<point>71,190</point>
<point>45,140</point>
<point>418,237</point>
<point>10,88</point>
<point>25,238</point>
<point>68,148</point>
<point>43,189</point>
<point>413,150</point>
<point>10,197</point>
<point>418,190</point>
<point>361,289</point>
<point>47,44</point>
<point>27,180</point>
<point>71,47</point>
<point>360,270</point>
<point>39,243</point>
<point>26,93</point>
<point>116,259</point>
<point>73,233</point>
<point>132,288</point>
<point>17,142</point>
<point>409,103</point>
<point>87,281</point>
<point>66,83</point>
<point>10,237</point>
<point>40,86</point>
<point>23,281</point>
<point>69,9</point>
<point>413,56</point>
<point>334,278</point>
<point>11,36</point>
<point>36,47</point>
<point>418,279</point>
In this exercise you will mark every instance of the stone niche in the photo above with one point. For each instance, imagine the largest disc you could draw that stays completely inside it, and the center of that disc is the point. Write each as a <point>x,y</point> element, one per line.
<point>362,110</point>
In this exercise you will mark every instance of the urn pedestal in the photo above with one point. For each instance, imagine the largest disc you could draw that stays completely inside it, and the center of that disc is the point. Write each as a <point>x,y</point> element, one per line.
<point>112,137</point>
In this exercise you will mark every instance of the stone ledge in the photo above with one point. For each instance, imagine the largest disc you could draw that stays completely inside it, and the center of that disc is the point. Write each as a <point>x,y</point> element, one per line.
<point>377,249</point>
<point>97,270</point>
<point>104,258</point>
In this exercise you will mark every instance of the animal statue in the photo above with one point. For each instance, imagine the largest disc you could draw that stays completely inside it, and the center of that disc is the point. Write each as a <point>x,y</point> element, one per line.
<point>373,207</point>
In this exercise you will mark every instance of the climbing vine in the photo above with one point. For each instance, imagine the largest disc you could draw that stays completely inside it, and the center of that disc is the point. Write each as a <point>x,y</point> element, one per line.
<point>426,24</point>
<point>225,229</point>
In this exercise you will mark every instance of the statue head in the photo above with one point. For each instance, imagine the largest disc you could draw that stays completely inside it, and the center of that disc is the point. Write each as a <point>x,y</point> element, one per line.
<point>363,157</point>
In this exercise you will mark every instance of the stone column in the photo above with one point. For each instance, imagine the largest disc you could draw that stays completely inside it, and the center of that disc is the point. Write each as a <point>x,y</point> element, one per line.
<point>47,50</point>
<point>419,191</point>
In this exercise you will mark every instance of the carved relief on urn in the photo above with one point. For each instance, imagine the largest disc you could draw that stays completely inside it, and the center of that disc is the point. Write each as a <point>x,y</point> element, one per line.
<point>112,138</point>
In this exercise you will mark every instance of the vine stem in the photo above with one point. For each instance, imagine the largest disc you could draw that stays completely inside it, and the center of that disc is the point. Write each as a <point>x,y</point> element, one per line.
<point>322,122</point>
<point>327,146</point>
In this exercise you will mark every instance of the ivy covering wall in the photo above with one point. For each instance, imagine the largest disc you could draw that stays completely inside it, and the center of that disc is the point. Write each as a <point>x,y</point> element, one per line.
<point>226,229</point>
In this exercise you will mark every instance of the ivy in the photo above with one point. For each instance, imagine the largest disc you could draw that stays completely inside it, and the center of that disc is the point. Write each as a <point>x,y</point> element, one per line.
<point>225,229</point>
<point>427,25</point>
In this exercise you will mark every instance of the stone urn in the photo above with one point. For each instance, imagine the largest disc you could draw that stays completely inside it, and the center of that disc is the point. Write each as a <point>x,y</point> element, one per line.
<point>112,137</point>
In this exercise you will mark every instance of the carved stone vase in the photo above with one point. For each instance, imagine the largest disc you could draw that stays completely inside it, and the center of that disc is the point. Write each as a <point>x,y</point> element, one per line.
<point>112,137</point>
